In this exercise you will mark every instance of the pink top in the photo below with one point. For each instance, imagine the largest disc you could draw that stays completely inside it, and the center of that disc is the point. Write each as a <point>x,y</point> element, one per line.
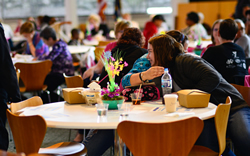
<point>204,50</point>
<point>110,46</point>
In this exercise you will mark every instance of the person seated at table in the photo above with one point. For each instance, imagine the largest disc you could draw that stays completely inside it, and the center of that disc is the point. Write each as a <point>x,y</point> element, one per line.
<point>241,38</point>
<point>194,29</point>
<point>130,45</point>
<point>35,45</point>
<point>94,71</point>
<point>61,59</point>
<point>97,28</point>
<point>75,40</point>
<point>143,64</point>
<point>191,72</point>
<point>214,37</point>
<point>228,58</point>
<point>151,28</point>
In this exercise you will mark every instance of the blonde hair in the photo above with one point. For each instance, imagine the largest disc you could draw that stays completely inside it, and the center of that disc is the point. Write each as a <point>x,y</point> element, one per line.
<point>27,27</point>
<point>121,26</point>
<point>95,17</point>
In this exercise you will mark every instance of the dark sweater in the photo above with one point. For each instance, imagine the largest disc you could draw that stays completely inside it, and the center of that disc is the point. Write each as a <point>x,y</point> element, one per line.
<point>228,59</point>
<point>8,78</point>
<point>131,54</point>
<point>190,72</point>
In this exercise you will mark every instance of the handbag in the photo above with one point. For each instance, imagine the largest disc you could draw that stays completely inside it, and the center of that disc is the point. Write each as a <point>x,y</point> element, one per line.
<point>149,92</point>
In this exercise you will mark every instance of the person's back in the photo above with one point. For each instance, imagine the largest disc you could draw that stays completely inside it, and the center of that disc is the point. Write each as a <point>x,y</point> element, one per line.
<point>228,58</point>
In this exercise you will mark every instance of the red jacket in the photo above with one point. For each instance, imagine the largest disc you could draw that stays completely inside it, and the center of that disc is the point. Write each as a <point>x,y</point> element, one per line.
<point>149,30</point>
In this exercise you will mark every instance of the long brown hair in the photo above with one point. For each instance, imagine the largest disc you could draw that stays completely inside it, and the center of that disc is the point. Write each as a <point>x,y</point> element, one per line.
<point>165,48</point>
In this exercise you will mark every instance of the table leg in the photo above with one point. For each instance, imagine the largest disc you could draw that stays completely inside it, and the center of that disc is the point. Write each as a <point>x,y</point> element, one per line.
<point>119,146</point>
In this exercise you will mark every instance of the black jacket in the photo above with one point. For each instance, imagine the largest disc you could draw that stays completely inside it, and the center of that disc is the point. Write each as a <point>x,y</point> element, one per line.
<point>130,54</point>
<point>8,78</point>
<point>191,72</point>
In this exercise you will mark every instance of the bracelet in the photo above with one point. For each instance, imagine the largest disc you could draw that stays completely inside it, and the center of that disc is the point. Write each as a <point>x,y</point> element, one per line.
<point>141,78</point>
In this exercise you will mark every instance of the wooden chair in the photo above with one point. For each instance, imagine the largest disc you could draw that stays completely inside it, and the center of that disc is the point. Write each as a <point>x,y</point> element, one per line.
<point>221,120</point>
<point>29,131</point>
<point>34,101</point>
<point>244,91</point>
<point>104,43</point>
<point>18,75</point>
<point>73,81</point>
<point>98,53</point>
<point>173,138</point>
<point>33,75</point>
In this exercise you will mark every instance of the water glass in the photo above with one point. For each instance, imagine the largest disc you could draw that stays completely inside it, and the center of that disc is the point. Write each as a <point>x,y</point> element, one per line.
<point>102,109</point>
<point>124,109</point>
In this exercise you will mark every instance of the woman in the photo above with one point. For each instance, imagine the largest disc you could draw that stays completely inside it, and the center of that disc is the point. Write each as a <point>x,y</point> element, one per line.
<point>143,64</point>
<point>97,26</point>
<point>215,39</point>
<point>130,45</point>
<point>97,69</point>
<point>191,72</point>
<point>35,45</point>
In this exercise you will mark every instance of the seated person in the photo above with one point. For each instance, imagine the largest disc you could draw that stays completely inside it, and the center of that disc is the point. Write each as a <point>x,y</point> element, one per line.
<point>143,64</point>
<point>61,59</point>
<point>97,26</point>
<point>214,36</point>
<point>151,28</point>
<point>75,40</point>
<point>130,45</point>
<point>97,69</point>
<point>191,72</point>
<point>228,58</point>
<point>35,45</point>
<point>242,39</point>
<point>195,30</point>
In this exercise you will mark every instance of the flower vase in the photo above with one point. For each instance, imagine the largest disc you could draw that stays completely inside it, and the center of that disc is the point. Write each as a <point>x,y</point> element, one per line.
<point>113,103</point>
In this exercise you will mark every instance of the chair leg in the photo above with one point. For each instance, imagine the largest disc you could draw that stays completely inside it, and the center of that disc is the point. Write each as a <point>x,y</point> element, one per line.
<point>48,93</point>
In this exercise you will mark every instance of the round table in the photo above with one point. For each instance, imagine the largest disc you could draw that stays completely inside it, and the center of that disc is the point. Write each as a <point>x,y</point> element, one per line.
<point>82,116</point>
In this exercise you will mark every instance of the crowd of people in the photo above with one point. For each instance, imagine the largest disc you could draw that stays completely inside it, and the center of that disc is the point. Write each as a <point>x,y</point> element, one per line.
<point>147,53</point>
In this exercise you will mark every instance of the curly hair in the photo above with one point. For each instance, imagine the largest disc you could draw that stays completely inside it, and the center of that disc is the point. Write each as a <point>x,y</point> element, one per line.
<point>132,36</point>
<point>165,48</point>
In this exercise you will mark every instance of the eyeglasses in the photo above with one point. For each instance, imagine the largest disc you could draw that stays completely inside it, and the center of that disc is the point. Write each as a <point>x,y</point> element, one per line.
<point>215,29</point>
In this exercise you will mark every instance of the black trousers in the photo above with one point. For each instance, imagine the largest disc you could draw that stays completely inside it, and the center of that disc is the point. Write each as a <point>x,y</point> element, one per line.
<point>4,138</point>
<point>53,80</point>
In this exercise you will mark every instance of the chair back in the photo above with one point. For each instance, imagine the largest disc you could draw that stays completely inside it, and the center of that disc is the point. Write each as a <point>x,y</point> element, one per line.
<point>34,74</point>
<point>73,81</point>
<point>244,91</point>
<point>28,132</point>
<point>104,43</point>
<point>221,120</point>
<point>98,53</point>
<point>172,138</point>
<point>34,101</point>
